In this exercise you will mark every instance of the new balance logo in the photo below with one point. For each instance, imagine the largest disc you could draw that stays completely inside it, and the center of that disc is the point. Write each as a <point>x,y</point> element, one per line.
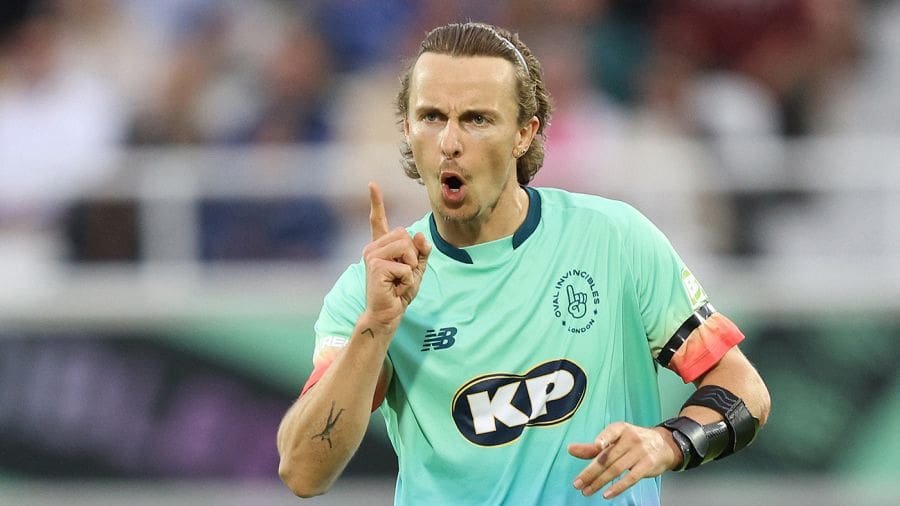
<point>439,339</point>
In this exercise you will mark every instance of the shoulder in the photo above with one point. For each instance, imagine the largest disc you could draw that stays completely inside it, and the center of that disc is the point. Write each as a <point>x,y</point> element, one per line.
<point>350,282</point>
<point>566,206</point>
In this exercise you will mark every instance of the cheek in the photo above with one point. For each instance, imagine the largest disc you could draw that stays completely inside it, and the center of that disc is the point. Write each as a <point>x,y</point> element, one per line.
<point>422,139</point>
<point>497,160</point>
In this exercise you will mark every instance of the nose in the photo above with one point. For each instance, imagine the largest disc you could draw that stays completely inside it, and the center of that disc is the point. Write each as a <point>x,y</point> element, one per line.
<point>451,147</point>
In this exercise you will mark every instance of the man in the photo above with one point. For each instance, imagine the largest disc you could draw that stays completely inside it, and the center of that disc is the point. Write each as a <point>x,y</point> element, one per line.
<point>514,360</point>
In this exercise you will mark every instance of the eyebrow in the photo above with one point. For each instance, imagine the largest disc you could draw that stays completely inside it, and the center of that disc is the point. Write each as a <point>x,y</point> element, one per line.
<point>425,109</point>
<point>486,111</point>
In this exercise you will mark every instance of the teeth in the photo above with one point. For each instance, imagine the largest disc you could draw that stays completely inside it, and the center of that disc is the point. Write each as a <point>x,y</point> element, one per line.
<point>454,190</point>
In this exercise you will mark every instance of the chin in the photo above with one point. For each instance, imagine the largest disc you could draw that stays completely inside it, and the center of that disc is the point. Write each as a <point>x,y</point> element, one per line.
<point>458,215</point>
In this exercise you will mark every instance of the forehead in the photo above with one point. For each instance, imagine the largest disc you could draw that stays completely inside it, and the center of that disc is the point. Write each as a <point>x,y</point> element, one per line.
<point>462,81</point>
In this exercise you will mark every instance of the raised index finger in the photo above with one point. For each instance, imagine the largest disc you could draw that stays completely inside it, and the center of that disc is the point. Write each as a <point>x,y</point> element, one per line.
<point>377,216</point>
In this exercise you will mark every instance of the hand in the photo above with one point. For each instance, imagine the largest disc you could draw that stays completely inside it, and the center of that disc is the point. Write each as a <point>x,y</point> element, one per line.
<point>621,447</point>
<point>577,302</point>
<point>395,264</point>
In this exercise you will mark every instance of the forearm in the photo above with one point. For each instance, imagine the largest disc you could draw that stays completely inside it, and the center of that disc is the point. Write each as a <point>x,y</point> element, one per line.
<point>734,373</point>
<point>323,429</point>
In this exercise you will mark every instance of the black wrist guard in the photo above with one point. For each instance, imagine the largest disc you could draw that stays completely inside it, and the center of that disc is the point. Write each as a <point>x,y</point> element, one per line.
<point>741,426</point>
<point>704,442</point>
<point>679,427</point>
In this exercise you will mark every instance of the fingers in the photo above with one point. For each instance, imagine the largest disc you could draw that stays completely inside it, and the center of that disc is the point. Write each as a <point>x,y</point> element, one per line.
<point>610,435</point>
<point>396,276</point>
<point>377,215</point>
<point>584,450</point>
<point>609,464</point>
<point>395,265</point>
<point>622,450</point>
<point>625,465</point>
<point>396,281</point>
<point>396,246</point>
<point>632,476</point>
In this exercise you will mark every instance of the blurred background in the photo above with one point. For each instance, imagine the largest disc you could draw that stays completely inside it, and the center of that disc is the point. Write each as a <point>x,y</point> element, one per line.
<point>181,181</point>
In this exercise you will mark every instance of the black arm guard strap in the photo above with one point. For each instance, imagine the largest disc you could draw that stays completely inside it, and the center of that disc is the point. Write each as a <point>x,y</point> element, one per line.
<point>740,423</point>
<point>695,320</point>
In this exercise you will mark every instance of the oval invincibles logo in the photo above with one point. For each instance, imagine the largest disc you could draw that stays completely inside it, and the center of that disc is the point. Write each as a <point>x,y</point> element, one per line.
<point>495,409</point>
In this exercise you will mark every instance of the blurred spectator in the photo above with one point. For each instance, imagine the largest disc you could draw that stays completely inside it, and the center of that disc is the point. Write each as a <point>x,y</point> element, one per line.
<point>584,122</point>
<point>865,101</point>
<point>302,228</point>
<point>782,48</point>
<point>364,104</point>
<point>293,101</point>
<point>193,65</point>
<point>110,41</point>
<point>364,33</point>
<point>735,72</point>
<point>533,16</point>
<point>59,123</point>
<point>296,93</point>
<point>620,44</point>
<point>11,14</point>
<point>431,13</point>
<point>211,90</point>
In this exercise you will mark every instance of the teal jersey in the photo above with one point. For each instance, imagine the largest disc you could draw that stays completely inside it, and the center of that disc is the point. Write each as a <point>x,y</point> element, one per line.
<point>515,348</point>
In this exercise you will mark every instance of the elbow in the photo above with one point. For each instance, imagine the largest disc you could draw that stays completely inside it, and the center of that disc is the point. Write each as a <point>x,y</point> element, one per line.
<point>300,485</point>
<point>765,405</point>
<point>758,400</point>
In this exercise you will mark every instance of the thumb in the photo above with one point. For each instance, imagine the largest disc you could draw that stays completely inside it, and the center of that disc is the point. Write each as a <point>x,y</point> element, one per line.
<point>424,248</point>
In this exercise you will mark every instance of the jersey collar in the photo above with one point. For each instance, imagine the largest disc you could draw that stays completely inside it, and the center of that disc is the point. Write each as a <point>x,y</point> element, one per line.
<point>532,218</point>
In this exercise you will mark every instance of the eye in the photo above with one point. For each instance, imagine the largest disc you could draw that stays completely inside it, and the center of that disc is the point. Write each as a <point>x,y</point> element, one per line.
<point>430,116</point>
<point>479,120</point>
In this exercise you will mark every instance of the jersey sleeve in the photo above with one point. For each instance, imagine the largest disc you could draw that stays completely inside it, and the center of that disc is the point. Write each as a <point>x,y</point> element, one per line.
<point>342,305</point>
<point>666,290</point>
<point>341,308</point>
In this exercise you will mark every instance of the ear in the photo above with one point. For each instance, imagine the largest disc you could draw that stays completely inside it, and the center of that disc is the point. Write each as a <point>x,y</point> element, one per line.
<point>526,134</point>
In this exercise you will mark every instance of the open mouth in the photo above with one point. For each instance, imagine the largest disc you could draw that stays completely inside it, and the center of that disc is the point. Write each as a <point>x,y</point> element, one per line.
<point>452,182</point>
<point>453,186</point>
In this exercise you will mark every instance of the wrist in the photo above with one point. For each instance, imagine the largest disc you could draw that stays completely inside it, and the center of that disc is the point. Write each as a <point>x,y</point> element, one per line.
<point>375,327</point>
<point>678,444</point>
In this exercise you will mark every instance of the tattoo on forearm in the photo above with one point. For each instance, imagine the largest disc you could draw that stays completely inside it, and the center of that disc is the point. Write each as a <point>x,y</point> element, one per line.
<point>325,435</point>
<point>369,331</point>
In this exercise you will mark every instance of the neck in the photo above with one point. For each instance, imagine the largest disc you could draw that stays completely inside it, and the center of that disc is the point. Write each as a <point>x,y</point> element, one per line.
<point>501,220</point>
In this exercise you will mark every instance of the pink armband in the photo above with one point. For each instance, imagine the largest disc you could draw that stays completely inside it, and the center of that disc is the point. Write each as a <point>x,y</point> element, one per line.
<point>705,346</point>
<point>316,375</point>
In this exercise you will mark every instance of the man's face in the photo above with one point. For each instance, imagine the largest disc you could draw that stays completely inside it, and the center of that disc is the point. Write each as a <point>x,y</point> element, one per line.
<point>463,132</point>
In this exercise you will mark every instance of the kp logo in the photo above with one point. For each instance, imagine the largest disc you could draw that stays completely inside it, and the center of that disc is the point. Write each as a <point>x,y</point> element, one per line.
<point>546,395</point>
<point>439,340</point>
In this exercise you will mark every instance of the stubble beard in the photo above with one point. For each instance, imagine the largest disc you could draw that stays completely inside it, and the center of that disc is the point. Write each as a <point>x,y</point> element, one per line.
<point>465,219</point>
